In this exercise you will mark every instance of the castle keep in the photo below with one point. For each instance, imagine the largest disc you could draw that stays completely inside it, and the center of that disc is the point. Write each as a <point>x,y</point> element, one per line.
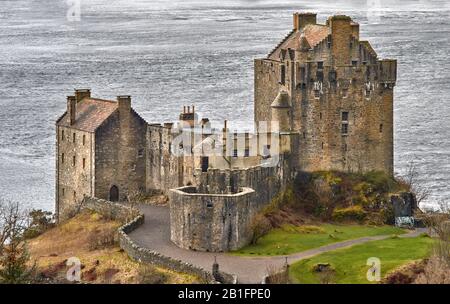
<point>323,101</point>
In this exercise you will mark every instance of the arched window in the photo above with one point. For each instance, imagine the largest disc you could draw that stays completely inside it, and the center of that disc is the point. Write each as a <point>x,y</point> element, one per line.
<point>114,194</point>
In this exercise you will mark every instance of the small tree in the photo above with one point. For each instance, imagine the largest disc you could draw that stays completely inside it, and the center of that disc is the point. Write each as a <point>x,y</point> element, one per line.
<point>259,226</point>
<point>14,255</point>
<point>415,185</point>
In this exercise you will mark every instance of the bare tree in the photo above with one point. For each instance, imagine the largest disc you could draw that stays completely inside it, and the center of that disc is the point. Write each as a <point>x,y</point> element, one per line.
<point>412,181</point>
<point>14,255</point>
<point>13,221</point>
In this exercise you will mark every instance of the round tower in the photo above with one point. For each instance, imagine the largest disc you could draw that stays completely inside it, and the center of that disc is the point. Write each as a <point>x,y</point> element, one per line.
<point>281,111</point>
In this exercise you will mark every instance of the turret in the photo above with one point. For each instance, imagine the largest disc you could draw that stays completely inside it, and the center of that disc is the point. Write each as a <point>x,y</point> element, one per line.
<point>281,111</point>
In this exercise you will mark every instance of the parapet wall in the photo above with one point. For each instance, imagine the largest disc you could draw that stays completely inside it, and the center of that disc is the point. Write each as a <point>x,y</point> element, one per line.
<point>143,255</point>
<point>211,222</point>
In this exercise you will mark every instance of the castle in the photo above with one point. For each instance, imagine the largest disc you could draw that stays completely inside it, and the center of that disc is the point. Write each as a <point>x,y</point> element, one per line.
<point>323,101</point>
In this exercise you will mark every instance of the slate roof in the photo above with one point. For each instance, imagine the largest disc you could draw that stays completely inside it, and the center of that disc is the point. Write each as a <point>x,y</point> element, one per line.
<point>90,114</point>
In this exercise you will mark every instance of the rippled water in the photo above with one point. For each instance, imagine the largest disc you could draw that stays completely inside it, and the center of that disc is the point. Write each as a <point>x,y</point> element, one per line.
<point>167,54</point>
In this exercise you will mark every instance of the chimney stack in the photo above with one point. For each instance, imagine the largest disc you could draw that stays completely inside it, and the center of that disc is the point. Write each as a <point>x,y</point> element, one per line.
<point>303,19</point>
<point>124,104</point>
<point>80,94</point>
<point>71,108</point>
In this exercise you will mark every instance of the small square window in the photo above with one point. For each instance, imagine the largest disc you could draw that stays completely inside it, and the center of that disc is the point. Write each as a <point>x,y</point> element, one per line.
<point>344,129</point>
<point>344,116</point>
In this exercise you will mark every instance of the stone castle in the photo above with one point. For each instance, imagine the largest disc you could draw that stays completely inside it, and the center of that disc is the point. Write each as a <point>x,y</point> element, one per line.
<point>332,101</point>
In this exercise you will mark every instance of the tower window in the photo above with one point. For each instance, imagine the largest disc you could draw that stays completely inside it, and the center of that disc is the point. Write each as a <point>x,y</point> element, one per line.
<point>344,129</point>
<point>63,192</point>
<point>246,153</point>
<point>381,128</point>
<point>74,137</point>
<point>62,158</point>
<point>354,63</point>
<point>345,116</point>
<point>62,135</point>
<point>322,145</point>
<point>320,115</point>
<point>84,163</point>
<point>235,153</point>
<point>74,159</point>
<point>320,65</point>
<point>74,195</point>
<point>283,74</point>
<point>316,94</point>
<point>84,139</point>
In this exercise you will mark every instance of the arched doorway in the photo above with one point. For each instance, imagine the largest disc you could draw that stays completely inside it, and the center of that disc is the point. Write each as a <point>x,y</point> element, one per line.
<point>114,194</point>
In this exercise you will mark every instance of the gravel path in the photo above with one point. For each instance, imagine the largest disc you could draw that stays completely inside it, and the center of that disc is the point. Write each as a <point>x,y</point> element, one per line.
<point>155,235</point>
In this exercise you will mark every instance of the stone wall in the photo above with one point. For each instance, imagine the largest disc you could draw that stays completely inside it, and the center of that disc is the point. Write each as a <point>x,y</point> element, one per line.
<point>143,255</point>
<point>120,155</point>
<point>211,222</point>
<point>338,74</point>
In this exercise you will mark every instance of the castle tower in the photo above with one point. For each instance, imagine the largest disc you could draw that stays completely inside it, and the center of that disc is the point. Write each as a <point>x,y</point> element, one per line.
<point>281,113</point>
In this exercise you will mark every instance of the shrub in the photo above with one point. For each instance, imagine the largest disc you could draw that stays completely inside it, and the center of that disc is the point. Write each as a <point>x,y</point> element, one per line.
<point>353,213</point>
<point>259,226</point>
<point>40,221</point>
<point>150,275</point>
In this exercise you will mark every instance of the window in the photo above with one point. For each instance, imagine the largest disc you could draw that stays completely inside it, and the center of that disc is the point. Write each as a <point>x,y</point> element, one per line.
<point>141,153</point>
<point>304,135</point>
<point>63,192</point>
<point>344,116</point>
<point>235,153</point>
<point>320,65</point>
<point>381,128</point>
<point>74,137</point>
<point>74,195</point>
<point>344,125</point>
<point>367,93</point>
<point>84,163</point>
<point>320,115</point>
<point>322,145</point>
<point>62,158</point>
<point>354,63</point>
<point>62,135</point>
<point>74,160</point>
<point>283,75</point>
<point>84,139</point>
<point>246,153</point>
<point>344,129</point>
<point>316,93</point>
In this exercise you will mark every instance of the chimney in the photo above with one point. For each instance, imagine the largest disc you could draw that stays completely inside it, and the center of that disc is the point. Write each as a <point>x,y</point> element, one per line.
<point>303,19</point>
<point>355,30</point>
<point>124,104</point>
<point>341,32</point>
<point>82,93</point>
<point>71,108</point>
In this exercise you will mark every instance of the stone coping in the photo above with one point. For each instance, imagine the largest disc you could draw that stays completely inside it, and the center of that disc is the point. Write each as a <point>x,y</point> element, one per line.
<point>181,191</point>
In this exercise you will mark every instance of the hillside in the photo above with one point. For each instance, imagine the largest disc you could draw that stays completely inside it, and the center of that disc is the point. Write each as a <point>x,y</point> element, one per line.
<point>92,239</point>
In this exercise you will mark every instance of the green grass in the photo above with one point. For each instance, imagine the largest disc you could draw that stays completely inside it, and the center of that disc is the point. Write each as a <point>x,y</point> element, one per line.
<point>350,263</point>
<point>291,239</point>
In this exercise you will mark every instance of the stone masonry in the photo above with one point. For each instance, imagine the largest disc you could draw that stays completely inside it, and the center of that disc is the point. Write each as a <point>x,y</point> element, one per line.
<point>332,99</point>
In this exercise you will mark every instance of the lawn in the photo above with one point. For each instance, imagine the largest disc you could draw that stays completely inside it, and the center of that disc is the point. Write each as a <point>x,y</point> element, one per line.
<point>350,264</point>
<point>291,239</point>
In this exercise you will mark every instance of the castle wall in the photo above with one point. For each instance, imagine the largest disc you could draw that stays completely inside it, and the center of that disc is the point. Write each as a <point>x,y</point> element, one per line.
<point>120,151</point>
<point>74,176</point>
<point>211,222</point>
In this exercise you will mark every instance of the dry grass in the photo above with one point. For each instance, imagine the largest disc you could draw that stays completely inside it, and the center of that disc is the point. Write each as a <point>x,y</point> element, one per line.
<point>87,236</point>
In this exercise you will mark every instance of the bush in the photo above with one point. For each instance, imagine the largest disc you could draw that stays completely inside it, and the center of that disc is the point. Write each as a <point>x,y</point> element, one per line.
<point>150,275</point>
<point>259,226</point>
<point>40,221</point>
<point>353,213</point>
